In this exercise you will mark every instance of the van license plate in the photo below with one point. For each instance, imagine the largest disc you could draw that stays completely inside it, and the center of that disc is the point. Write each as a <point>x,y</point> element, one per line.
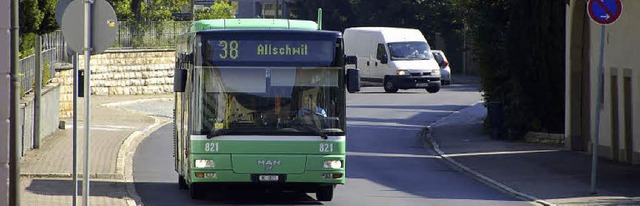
<point>268,178</point>
<point>422,84</point>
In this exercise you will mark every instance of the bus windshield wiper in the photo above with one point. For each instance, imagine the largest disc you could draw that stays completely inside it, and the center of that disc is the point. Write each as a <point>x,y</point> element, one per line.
<point>312,129</point>
<point>218,133</point>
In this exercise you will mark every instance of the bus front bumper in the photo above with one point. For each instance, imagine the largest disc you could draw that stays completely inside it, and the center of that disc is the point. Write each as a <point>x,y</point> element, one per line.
<point>283,180</point>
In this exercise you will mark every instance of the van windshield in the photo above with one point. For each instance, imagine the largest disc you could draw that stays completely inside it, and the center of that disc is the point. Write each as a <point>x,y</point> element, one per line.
<point>410,51</point>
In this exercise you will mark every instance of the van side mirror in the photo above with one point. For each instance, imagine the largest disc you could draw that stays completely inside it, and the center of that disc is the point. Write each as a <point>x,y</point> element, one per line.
<point>352,60</point>
<point>353,80</point>
<point>179,79</point>
<point>384,60</point>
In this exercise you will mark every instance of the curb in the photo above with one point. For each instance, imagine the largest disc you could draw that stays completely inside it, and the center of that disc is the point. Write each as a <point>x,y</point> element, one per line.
<point>428,140</point>
<point>124,162</point>
<point>126,152</point>
<point>111,176</point>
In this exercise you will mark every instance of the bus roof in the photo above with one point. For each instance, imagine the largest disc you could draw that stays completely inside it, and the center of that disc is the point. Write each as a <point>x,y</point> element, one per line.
<point>221,24</point>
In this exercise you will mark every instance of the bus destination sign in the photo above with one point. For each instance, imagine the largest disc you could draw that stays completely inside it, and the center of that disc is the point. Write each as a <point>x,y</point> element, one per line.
<point>233,52</point>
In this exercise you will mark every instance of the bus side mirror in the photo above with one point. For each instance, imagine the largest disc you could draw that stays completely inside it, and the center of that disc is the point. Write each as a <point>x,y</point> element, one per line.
<point>179,80</point>
<point>352,60</point>
<point>353,80</point>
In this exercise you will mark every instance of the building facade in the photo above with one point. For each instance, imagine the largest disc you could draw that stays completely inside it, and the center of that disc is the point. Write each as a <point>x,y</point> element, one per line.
<point>619,125</point>
<point>263,9</point>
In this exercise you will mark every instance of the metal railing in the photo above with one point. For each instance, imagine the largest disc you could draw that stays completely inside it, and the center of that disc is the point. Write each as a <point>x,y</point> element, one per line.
<point>148,35</point>
<point>157,35</point>
<point>54,52</point>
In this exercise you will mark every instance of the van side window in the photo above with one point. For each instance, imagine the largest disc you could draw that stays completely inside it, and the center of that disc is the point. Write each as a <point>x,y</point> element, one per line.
<point>382,54</point>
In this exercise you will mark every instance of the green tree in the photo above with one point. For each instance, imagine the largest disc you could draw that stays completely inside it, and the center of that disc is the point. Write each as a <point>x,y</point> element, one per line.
<point>520,50</point>
<point>337,14</point>
<point>122,8</point>
<point>221,9</point>
<point>49,23</point>
<point>30,16</point>
<point>30,20</point>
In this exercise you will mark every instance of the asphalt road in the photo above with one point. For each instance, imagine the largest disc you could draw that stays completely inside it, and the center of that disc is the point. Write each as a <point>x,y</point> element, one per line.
<point>387,163</point>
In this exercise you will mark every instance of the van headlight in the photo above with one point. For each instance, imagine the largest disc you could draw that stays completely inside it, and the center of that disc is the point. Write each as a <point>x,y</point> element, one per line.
<point>402,72</point>
<point>332,164</point>
<point>435,72</point>
<point>205,164</point>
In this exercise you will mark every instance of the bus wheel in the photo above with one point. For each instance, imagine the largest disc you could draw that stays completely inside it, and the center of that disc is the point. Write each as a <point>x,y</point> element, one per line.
<point>182,184</point>
<point>388,86</point>
<point>324,193</point>
<point>197,191</point>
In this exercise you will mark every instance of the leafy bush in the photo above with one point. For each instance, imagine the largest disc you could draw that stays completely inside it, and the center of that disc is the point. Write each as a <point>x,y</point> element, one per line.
<point>221,9</point>
<point>520,48</point>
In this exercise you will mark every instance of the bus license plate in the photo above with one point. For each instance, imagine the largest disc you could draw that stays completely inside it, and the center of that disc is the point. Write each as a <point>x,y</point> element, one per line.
<point>268,178</point>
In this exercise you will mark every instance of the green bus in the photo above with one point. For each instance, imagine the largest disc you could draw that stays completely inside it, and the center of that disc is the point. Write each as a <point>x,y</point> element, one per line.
<point>261,103</point>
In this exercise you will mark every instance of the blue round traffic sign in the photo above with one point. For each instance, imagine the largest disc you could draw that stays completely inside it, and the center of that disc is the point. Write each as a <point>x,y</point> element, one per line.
<point>604,11</point>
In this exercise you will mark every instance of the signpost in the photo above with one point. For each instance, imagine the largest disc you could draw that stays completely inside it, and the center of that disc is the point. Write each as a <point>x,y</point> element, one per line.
<point>602,12</point>
<point>88,26</point>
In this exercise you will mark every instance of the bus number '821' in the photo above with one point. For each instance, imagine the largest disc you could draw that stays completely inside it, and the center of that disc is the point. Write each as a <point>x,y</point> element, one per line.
<point>211,147</point>
<point>326,147</point>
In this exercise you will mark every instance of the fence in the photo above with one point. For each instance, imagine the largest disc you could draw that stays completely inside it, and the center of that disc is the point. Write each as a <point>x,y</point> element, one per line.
<point>54,52</point>
<point>148,35</point>
<point>156,35</point>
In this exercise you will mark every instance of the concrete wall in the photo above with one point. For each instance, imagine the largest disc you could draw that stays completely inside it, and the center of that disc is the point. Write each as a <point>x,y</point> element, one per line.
<point>135,72</point>
<point>620,115</point>
<point>49,121</point>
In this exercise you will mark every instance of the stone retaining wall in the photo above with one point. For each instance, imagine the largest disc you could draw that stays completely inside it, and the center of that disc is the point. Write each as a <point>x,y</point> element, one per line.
<point>137,72</point>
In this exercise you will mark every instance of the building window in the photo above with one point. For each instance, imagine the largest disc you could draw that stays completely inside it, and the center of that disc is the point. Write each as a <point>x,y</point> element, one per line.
<point>269,10</point>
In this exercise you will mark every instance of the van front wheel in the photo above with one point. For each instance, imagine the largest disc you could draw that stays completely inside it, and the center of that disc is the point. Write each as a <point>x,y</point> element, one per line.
<point>389,87</point>
<point>433,89</point>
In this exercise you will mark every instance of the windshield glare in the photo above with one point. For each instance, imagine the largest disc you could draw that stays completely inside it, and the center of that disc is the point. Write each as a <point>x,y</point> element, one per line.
<point>410,51</point>
<point>271,101</point>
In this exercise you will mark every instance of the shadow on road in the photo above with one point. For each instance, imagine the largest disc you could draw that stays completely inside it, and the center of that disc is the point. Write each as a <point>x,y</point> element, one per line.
<point>64,187</point>
<point>175,196</point>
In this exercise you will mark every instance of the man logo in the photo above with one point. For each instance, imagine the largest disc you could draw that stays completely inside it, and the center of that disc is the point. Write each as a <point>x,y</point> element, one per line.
<point>268,164</point>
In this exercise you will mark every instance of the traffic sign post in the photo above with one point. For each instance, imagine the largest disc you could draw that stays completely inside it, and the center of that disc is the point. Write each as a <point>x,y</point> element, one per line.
<point>102,22</point>
<point>88,26</point>
<point>602,12</point>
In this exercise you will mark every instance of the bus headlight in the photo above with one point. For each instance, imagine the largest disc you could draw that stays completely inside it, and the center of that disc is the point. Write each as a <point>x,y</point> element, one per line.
<point>402,72</point>
<point>333,164</point>
<point>205,164</point>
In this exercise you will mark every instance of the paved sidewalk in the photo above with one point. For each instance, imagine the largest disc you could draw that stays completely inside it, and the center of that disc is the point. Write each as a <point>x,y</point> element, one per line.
<point>547,174</point>
<point>46,173</point>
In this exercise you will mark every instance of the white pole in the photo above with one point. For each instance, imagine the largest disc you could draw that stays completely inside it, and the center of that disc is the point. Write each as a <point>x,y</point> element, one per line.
<point>75,128</point>
<point>87,90</point>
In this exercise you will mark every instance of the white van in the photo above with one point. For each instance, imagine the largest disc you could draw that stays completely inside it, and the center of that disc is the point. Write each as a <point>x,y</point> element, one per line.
<point>399,58</point>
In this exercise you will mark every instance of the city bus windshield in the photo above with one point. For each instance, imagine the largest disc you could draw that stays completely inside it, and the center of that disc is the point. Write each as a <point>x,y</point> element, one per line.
<point>271,101</point>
